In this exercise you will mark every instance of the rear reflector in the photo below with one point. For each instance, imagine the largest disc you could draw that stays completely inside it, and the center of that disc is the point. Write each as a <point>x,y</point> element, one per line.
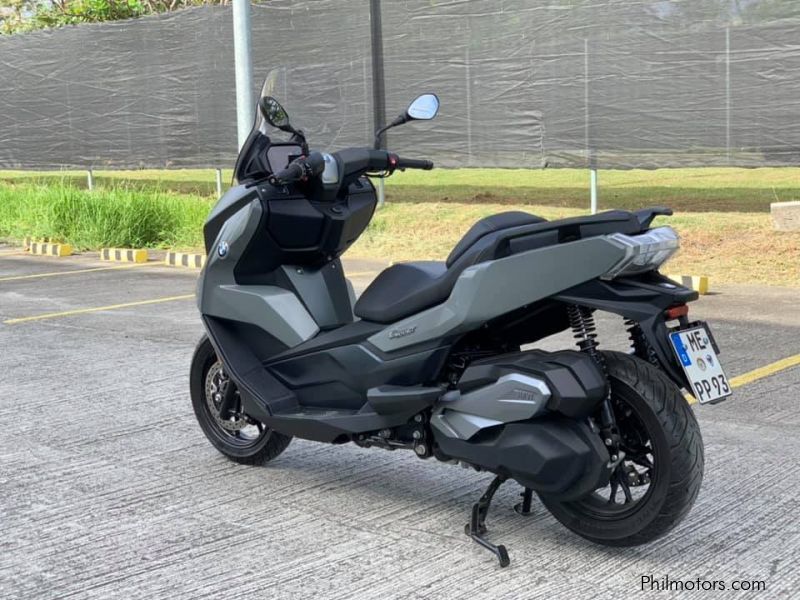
<point>676,312</point>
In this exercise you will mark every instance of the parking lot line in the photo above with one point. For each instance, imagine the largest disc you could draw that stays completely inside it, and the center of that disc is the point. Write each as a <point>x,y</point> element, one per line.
<point>766,371</point>
<point>80,311</point>
<point>75,271</point>
<point>759,373</point>
<point>735,382</point>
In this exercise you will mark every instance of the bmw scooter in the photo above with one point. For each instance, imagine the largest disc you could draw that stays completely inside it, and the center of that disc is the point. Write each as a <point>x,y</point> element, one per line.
<point>430,357</point>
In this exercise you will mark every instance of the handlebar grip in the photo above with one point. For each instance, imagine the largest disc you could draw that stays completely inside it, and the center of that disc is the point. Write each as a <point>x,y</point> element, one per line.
<point>414,163</point>
<point>299,169</point>
<point>291,173</point>
<point>315,164</point>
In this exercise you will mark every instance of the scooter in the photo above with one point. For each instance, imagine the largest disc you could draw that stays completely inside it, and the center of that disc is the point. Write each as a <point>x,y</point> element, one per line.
<point>430,357</point>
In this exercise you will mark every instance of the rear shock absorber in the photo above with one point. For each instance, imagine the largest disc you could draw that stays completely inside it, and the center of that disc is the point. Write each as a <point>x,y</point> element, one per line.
<point>639,344</point>
<point>581,320</point>
<point>584,329</point>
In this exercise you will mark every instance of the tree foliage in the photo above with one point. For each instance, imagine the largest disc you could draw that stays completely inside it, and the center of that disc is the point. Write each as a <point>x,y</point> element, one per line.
<point>28,15</point>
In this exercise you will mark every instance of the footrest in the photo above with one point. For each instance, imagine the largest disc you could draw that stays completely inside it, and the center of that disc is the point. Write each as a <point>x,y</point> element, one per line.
<point>324,424</point>
<point>408,399</point>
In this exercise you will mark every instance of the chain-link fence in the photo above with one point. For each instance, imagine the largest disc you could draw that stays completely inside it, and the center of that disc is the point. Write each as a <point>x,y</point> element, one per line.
<point>615,83</point>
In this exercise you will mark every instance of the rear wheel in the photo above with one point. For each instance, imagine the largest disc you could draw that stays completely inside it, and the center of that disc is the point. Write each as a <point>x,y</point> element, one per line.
<point>655,485</point>
<point>235,434</point>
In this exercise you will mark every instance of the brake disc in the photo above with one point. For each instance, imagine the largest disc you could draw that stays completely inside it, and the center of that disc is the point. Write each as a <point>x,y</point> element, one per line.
<point>217,382</point>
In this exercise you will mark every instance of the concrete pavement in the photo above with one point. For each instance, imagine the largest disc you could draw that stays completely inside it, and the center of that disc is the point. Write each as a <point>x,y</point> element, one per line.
<point>108,489</point>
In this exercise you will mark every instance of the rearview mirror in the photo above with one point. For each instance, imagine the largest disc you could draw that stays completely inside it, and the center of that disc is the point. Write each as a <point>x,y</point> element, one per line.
<point>274,113</point>
<point>424,108</point>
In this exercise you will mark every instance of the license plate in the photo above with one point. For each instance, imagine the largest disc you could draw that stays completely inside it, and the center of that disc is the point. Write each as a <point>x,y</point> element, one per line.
<point>696,353</point>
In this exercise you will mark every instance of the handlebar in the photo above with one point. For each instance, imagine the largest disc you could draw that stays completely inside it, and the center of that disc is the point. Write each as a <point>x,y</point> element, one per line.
<point>367,160</point>
<point>353,163</point>
<point>299,169</point>
<point>414,163</point>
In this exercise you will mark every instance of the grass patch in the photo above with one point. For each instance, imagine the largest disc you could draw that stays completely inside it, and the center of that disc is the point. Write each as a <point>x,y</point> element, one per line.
<point>694,190</point>
<point>728,247</point>
<point>200,182</point>
<point>105,217</point>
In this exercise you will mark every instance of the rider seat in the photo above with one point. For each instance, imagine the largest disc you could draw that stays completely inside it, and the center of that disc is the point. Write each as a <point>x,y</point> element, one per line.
<point>410,287</point>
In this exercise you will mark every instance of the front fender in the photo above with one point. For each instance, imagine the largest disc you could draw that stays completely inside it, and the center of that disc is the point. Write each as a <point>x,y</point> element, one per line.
<point>642,299</point>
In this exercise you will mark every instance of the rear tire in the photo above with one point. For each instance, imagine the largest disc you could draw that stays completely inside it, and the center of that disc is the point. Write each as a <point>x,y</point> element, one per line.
<point>648,402</point>
<point>241,438</point>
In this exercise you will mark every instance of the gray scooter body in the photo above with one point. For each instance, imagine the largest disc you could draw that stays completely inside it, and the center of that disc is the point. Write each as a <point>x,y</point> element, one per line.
<point>308,366</point>
<point>435,356</point>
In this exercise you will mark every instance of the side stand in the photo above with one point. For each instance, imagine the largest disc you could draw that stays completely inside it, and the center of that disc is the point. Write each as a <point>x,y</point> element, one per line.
<point>476,528</point>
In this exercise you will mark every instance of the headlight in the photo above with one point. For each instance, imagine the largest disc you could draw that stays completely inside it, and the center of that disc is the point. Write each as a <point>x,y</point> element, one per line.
<point>643,252</point>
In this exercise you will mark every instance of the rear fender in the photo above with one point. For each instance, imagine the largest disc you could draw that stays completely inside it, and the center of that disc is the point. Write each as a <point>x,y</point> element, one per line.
<point>642,299</point>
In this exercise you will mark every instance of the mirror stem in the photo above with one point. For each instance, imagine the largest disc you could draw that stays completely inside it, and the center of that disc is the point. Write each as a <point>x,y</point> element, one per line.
<point>399,120</point>
<point>378,134</point>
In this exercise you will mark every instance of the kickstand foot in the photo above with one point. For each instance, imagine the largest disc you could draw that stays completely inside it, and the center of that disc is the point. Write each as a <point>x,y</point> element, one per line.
<point>476,528</point>
<point>524,507</point>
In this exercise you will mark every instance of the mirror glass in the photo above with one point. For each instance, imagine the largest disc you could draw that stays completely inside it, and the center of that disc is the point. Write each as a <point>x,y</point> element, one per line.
<point>424,107</point>
<point>273,112</point>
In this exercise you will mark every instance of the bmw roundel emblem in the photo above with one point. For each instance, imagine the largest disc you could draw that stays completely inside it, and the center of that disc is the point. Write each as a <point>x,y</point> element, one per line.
<point>222,249</point>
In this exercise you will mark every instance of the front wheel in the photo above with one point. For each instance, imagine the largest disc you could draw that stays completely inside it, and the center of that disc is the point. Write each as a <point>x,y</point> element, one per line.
<point>656,484</point>
<point>235,434</point>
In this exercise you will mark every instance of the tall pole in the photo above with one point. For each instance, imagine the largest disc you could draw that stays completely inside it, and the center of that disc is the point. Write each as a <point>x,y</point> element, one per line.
<point>378,88</point>
<point>728,93</point>
<point>587,122</point>
<point>243,58</point>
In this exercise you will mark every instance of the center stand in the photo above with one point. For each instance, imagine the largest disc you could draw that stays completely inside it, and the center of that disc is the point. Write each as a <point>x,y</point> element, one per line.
<point>476,528</point>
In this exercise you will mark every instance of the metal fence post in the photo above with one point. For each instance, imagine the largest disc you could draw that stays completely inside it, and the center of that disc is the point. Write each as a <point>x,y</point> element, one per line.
<point>90,180</point>
<point>728,93</point>
<point>243,59</point>
<point>468,94</point>
<point>587,126</point>
<point>381,192</point>
<point>218,173</point>
<point>378,88</point>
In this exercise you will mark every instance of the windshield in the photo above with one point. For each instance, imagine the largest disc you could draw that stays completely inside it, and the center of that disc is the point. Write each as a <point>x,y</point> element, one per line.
<point>247,163</point>
<point>269,88</point>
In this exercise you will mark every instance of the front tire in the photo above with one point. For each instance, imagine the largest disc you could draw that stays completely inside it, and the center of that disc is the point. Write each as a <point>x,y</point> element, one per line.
<point>238,436</point>
<point>663,441</point>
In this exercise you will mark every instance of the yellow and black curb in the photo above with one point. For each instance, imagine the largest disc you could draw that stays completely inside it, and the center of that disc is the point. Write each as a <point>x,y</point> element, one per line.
<point>26,242</point>
<point>185,259</point>
<point>698,283</point>
<point>49,249</point>
<point>123,255</point>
